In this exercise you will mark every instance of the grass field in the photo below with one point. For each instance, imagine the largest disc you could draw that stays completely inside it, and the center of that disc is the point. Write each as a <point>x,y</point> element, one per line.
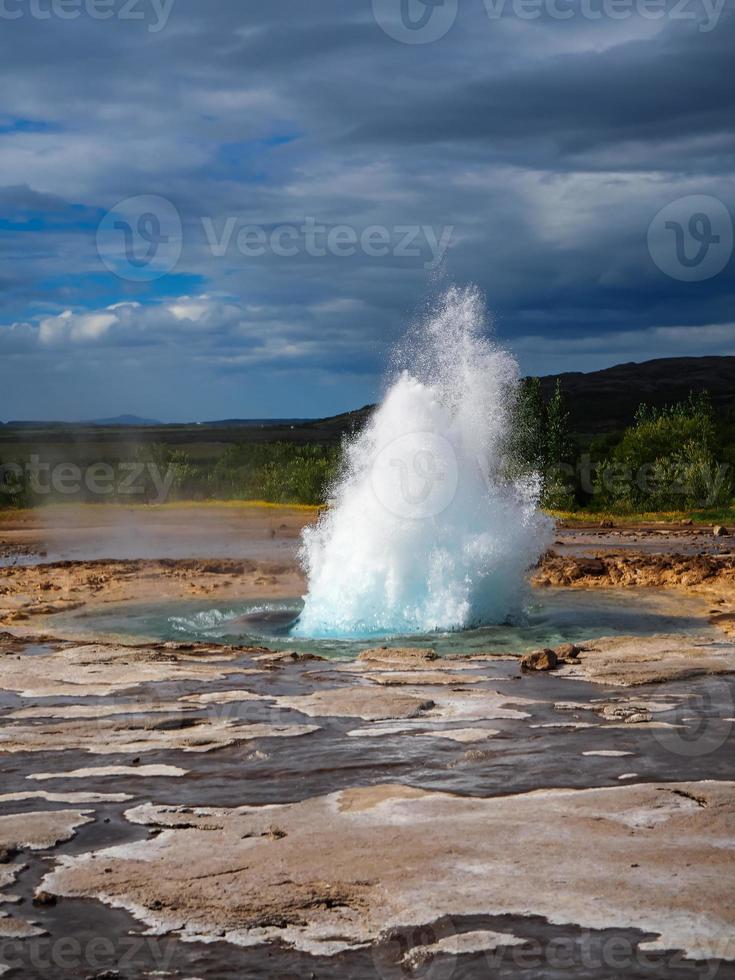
<point>264,464</point>
<point>584,518</point>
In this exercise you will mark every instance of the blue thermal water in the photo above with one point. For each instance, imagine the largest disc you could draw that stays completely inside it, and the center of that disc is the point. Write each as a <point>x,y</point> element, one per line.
<point>550,617</point>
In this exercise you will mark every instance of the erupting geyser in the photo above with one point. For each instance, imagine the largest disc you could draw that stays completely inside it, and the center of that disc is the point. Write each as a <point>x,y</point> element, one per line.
<point>426,527</point>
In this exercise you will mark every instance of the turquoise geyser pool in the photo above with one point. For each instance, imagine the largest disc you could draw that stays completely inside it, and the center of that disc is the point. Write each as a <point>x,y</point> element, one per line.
<point>552,616</point>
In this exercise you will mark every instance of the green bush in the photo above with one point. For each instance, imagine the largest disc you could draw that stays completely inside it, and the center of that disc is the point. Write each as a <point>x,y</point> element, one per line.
<point>15,490</point>
<point>667,460</point>
<point>278,472</point>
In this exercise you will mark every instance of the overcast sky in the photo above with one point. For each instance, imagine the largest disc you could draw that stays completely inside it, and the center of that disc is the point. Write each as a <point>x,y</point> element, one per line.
<point>227,208</point>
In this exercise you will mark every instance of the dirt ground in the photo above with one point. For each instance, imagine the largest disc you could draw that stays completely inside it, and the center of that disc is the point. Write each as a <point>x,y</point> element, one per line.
<point>211,530</point>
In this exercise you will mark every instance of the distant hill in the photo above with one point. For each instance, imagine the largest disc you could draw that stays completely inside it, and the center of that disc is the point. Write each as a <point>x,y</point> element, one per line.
<point>606,401</point>
<point>137,421</point>
<point>120,420</point>
<point>225,423</point>
<point>123,420</point>
<point>598,402</point>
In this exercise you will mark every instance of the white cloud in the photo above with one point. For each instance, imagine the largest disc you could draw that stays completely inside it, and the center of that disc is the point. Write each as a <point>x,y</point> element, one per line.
<point>76,328</point>
<point>340,305</point>
<point>214,329</point>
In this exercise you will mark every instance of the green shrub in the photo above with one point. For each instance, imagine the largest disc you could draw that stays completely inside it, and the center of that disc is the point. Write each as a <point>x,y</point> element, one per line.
<point>15,490</point>
<point>278,472</point>
<point>668,459</point>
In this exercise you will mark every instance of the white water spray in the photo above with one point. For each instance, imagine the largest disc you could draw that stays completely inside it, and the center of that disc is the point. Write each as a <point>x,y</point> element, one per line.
<point>425,530</point>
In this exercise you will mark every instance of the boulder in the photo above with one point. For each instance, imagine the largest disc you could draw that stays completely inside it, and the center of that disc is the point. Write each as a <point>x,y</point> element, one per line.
<point>567,651</point>
<point>42,898</point>
<point>540,660</point>
<point>719,531</point>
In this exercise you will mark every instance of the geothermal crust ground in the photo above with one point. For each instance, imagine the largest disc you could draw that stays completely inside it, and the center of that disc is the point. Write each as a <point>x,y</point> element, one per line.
<point>219,811</point>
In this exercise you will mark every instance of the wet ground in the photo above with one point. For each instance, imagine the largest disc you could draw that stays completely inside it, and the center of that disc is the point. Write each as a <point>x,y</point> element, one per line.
<point>647,539</point>
<point>539,748</point>
<point>261,532</point>
<point>407,836</point>
<point>91,533</point>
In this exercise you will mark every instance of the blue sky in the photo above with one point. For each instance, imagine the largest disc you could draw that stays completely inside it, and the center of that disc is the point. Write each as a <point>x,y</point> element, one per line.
<point>528,154</point>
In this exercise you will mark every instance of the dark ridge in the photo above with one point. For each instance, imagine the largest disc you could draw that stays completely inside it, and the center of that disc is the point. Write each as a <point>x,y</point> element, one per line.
<point>597,401</point>
<point>606,401</point>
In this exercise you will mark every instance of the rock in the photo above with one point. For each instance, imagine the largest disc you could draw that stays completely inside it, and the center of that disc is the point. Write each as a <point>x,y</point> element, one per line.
<point>567,651</point>
<point>630,714</point>
<point>398,654</point>
<point>287,657</point>
<point>719,531</point>
<point>540,660</point>
<point>44,898</point>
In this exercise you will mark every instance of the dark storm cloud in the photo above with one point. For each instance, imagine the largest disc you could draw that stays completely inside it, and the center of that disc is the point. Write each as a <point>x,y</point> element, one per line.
<point>547,146</point>
<point>670,90</point>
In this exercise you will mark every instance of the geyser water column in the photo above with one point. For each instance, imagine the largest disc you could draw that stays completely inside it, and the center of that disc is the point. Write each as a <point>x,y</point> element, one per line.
<point>425,528</point>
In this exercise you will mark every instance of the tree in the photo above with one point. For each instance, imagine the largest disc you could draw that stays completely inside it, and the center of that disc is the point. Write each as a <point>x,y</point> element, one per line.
<point>558,443</point>
<point>540,442</point>
<point>529,426</point>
